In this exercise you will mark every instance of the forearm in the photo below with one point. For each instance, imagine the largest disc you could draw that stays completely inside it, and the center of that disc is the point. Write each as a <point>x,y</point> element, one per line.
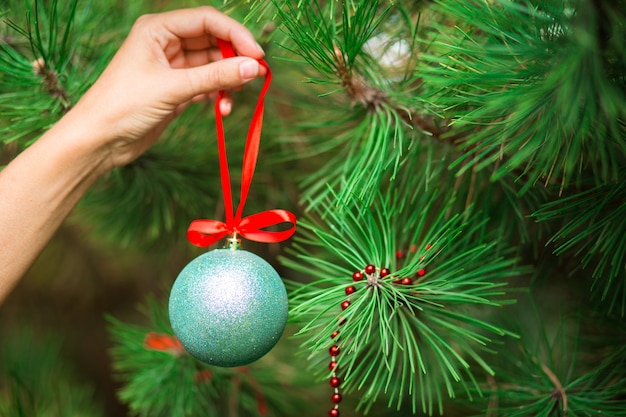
<point>39,189</point>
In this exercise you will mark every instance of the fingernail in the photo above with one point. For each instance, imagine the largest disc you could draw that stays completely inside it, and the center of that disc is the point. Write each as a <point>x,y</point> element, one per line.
<point>249,69</point>
<point>260,48</point>
<point>225,108</point>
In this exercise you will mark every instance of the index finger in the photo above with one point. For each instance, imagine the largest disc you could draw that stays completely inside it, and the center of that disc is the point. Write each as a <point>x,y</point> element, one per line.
<point>206,20</point>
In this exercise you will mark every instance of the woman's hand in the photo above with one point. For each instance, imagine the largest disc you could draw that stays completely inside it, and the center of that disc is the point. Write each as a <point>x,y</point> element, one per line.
<point>167,61</point>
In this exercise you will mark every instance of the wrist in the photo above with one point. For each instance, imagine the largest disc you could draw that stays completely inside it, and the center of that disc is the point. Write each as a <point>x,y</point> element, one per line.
<point>78,146</point>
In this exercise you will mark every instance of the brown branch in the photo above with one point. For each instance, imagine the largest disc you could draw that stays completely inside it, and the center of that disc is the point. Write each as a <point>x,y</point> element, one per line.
<point>373,98</point>
<point>52,84</point>
<point>492,408</point>
<point>559,391</point>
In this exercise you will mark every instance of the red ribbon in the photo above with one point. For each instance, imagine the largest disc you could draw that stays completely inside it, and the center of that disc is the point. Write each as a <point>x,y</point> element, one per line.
<point>163,343</point>
<point>206,232</point>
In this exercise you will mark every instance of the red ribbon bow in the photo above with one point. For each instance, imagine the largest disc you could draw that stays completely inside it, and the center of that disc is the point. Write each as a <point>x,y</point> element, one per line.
<point>206,232</point>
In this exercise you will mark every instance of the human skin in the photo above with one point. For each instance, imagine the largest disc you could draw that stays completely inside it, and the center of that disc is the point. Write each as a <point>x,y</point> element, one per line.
<point>168,61</point>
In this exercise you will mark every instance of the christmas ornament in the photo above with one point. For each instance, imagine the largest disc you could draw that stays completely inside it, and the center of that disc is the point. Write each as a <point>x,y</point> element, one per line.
<point>228,307</point>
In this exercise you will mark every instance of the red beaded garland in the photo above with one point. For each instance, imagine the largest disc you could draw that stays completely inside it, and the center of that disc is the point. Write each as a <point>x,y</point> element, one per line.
<point>406,280</point>
<point>334,350</point>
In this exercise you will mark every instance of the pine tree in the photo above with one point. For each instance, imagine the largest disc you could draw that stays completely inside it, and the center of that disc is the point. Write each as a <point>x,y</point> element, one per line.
<point>457,167</point>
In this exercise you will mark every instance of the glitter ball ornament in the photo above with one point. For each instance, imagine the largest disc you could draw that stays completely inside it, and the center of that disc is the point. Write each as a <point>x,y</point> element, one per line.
<point>228,307</point>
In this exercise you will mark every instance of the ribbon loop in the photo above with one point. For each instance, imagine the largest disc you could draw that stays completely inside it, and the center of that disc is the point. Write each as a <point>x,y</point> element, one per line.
<point>204,233</point>
<point>252,227</point>
<point>207,232</point>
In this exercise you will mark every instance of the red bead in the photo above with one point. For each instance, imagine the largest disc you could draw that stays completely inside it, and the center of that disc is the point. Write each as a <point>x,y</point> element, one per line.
<point>413,248</point>
<point>334,350</point>
<point>370,269</point>
<point>350,290</point>
<point>334,412</point>
<point>421,272</point>
<point>345,305</point>
<point>357,276</point>
<point>406,281</point>
<point>342,321</point>
<point>336,398</point>
<point>399,254</point>
<point>384,272</point>
<point>428,246</point>
<point>335,382</point>
<point>335,334</point>
<point>332,365</point>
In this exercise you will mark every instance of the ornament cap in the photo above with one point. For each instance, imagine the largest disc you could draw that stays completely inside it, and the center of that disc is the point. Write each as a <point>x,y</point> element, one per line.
<point>233,243</point>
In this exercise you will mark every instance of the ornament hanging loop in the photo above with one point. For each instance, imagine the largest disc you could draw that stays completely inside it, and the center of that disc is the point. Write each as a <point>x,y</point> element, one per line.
<point>205,232</point>
<point>233,242</point>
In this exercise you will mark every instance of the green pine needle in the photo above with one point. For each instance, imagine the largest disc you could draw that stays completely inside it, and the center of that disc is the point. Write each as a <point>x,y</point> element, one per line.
<point>370,150</point>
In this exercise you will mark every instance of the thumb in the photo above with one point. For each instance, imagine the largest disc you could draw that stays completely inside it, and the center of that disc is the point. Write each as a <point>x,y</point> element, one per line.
<point>220,75</point>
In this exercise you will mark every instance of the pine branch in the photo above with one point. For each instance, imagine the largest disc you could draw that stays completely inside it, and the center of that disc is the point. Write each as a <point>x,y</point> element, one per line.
<point>35,70</point>
<point>544,374</point>
<point>535,94</point>
<point>422,313</point>
<point>160,379</point>
<point>380,123</point>
<point>594,224</point>
<point>36,381</point>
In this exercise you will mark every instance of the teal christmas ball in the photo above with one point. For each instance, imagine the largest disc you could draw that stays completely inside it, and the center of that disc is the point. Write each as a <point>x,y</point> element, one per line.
<point>228,307</point>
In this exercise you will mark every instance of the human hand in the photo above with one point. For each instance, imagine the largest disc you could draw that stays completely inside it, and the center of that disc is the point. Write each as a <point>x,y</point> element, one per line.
<point>167,61</point>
